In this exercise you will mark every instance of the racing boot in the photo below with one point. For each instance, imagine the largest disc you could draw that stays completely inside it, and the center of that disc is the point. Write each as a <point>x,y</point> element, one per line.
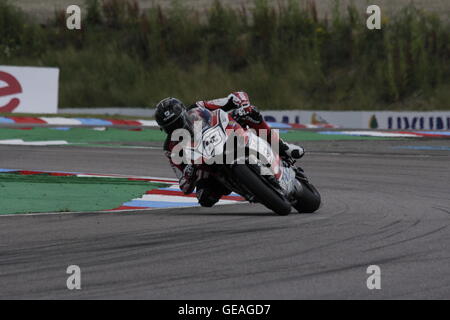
<point>291,150</point>
<point>210,191</point>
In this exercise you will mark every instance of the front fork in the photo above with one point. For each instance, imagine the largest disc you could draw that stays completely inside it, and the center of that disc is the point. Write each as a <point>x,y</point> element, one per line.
<point>300,174</point>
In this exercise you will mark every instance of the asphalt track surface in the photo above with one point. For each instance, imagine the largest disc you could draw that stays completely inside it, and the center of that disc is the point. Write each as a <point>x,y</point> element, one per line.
<point>382,206</point>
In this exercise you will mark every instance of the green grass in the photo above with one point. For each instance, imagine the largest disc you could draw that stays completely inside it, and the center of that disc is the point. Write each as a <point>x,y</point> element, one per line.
<point>44,193</point>
<point>287,58</point>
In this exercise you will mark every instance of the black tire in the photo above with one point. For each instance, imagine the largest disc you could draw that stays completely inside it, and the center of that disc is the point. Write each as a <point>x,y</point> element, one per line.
<point>263,193</point>
<point>310,199</point>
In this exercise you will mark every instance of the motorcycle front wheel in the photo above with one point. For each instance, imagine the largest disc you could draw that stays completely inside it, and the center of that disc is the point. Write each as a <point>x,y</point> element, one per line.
<point>309,201</point>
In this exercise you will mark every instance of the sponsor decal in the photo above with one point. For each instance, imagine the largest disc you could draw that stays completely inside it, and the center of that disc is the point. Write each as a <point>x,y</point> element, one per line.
<point>316,119</point>
<point>417,122</point>
<point>28,89</point>
<point>373,122</point>
<point>401,120</point>
<point>12,87</point>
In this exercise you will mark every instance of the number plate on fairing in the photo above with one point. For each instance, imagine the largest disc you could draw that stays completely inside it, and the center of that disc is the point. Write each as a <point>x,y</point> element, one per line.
<point>213,142</point>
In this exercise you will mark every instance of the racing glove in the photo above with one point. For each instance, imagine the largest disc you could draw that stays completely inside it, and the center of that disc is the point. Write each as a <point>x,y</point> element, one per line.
<point>240,99</point>
<point>247,115</point>
<point>188,179</point>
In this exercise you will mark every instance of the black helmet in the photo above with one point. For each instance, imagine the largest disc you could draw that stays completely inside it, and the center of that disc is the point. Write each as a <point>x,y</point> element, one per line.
<point>171,115</point>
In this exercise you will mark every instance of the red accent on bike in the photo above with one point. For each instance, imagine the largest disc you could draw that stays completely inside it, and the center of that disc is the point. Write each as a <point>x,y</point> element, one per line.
<point>214,119</point>
<point>211,106</point>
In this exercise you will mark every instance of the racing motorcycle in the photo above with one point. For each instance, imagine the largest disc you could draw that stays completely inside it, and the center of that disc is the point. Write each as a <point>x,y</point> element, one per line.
<point>246,164</point>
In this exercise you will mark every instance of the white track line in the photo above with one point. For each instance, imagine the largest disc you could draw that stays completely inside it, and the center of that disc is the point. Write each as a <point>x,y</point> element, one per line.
<point>61,121</point>
<point>20,142</point>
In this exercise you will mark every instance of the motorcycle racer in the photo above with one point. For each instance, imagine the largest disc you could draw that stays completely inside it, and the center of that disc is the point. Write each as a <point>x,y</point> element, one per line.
<point>171,114</point>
